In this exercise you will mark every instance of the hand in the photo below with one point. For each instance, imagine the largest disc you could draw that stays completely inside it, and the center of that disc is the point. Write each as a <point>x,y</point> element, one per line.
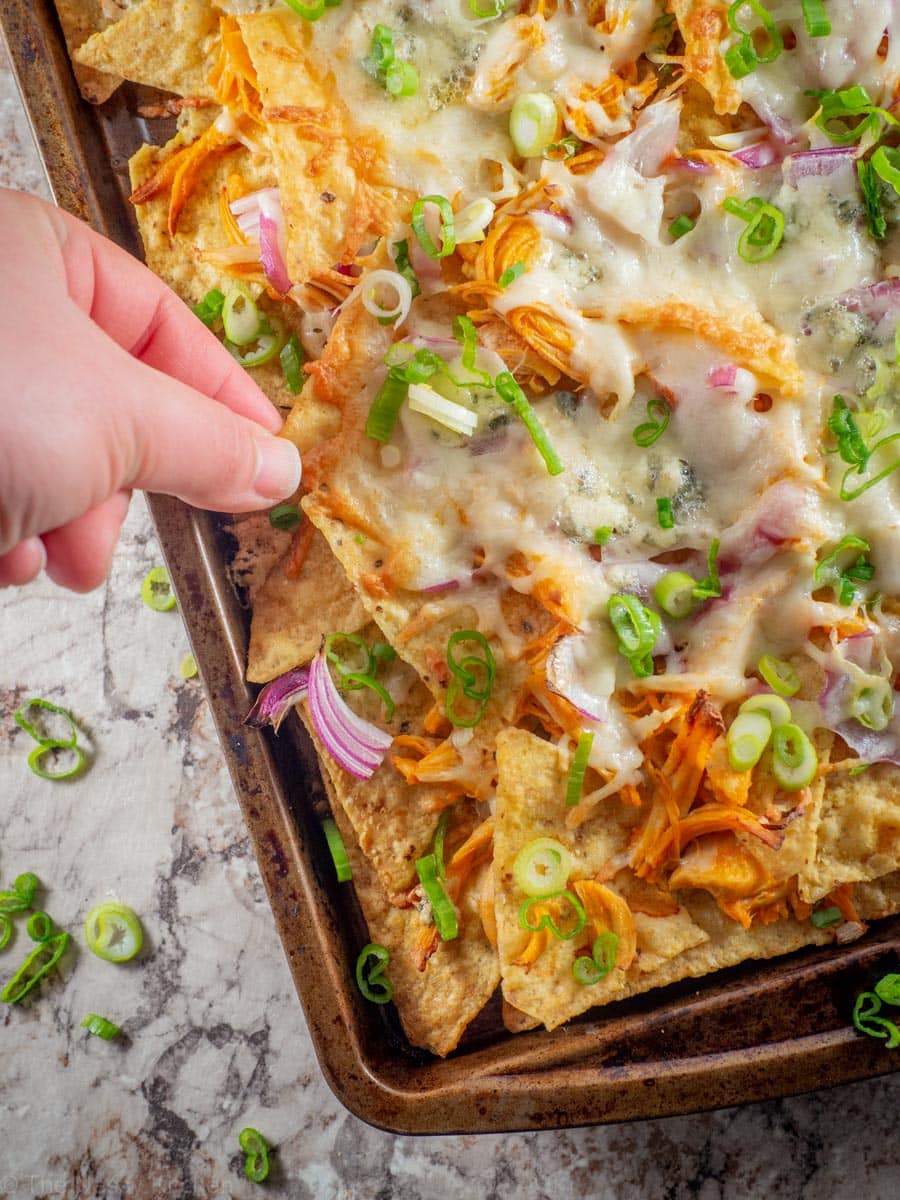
<point>108,383</point>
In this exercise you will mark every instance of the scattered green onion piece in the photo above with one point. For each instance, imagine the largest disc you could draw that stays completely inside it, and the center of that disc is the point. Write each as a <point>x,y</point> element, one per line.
<point>511,274</point>
<point>382,48</point>
<point>886,165</point>
<point>744,57</point>
<point>741,59</point>
<point>658,414</point>
<point>440,835</point>
<point>765,228</point>
<point>589,970</point>
<point>371,980</point>
<point>401,79</point>
<point>748,736</point>
<point>466,334</point>
<point>443,910</point>
<point>824,917</point>
<point>310,12</point>
<point>359,679</point>
<point>21,895</point>
<point>337,849</point>
<point>256,1152</point>
<point>473,677</point>
<point>385,410</point>
<point>285,517</point>
<point>382,653</point>
<point>578,767</point>
<point>680,226</point>
<point>851,444</point>
<point>346,669</point>
<point>842,581</point>
<point>99,1027</point>
<point>12,902</point>
<point>775,708</point>
<point>542,867</point>
<point>209,310</point>
<point>710,587</point>
<point>113,932</point>
<point>486,9</point>
<point>6,928</point>
<point>602,534</point>
<point>404,266</point>
<point>509,390</point>
<point>39,927</point>
<point>674,594</point>
<point>156,590</point>
<point>664,513</point>
<point>240,316</point>
<point>188,667</point>
<point>452,415</point>
<point>781,676</point>
<point>472,221</point>
<point>868,184</point>
<point>533,123</point>
<point>794,759</point>
<point>291,357</point>
<point>419,228</point>
<point>887,989</point>
<point>872,703</point>
<point>546,921</point>
<point>854,101</point>
<point>637,629</point>
<point>266,347</point>
<point>45,749</point>
<point>42,959</point>
<point>815,18</point>
<point>22,721</point>
<point>866,1020</point>
<point>562,150</point>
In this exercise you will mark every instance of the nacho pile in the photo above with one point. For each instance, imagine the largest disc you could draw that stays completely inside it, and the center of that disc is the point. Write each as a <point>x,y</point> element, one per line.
<point>584,317</point>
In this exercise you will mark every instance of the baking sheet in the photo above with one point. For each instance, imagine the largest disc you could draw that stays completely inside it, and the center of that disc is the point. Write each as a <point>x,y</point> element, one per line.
<point>754,1032</point>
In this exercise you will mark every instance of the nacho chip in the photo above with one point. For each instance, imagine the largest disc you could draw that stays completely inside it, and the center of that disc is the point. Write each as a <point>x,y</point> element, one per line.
<point>79,20</point>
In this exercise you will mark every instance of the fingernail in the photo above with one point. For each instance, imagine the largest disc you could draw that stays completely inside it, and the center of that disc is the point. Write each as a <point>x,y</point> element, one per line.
<point>279,469</point>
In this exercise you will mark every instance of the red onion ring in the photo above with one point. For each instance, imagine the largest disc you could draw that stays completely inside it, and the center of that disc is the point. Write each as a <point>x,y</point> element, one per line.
<point>354,743</point>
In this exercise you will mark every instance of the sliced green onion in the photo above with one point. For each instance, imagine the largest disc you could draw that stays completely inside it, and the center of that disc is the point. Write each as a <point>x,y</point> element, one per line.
<point>680,226</point>
<point>291,357</point>
<point>836,106</point>
<point>842,580</point>
<point>264,348</point>
<point>794,759</point>
<point>511,274</point>
<point>664,513</point>
<point>824,917</point>
<point>765,227</point>
<point>866,1020</point>
<point>443,910</point>
<point>466,334</point>
<point>658,413</point>
<point>744,57</point>
<point>337,849</point>
<point>578,767</point>
<point>310,12</point>
<point>453,416</point>
<point>872,703</point>
<point>440,835</point>
<point>546,921</point>
<point>775,708</point>
<point>240,316</point>
<point>815,18</point>
<point>39,927</point>
<point>602,534</point>
<point>448,226</point>
<point>886,165</point>
<point>674,594</point>
<point>589,970</point>
<point>344,668</point>
<point>6,928</point>
<point>156,590</point>
<point>401,79</point>
<point>43,739</point>
<point>533,123</point>
<point>100,1027</point>
<point>382,654</point>
<point>542,867</point>
<point>748,736</point>
<point>485,9</point>
<point>637,629</point>
<point>73,755</point>
<point>382,48</point>
<point>22,894</point>
<point>113,932</point>
<point>42,959</point>
<point>781,676</point>
<point>370,976</point>
<point>741,59</point>
<point>385,410</point>
<point>188,667</point>
<point>256,1154</point>
<point>473,676</point>
<point>473,220</point>
<point>851,444</point>
<point>887,989</point>
<point>710,587</point>
<point>285,517</point>
<point>565,148</point>
<point>868,185</point>
<point>210,307</point>
<point>400,251</point>
<point>509,390</point>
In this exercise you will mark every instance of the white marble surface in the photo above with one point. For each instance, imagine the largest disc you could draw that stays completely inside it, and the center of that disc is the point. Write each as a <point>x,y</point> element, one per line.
<point>216,1039</point>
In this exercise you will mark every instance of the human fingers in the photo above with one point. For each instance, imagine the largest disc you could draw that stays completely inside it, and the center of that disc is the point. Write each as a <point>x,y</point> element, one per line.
<point>23,563</point>
<point>79,553</point>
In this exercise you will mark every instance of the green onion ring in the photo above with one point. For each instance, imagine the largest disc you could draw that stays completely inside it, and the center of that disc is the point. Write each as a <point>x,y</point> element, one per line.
<point>542,867</point>
<point>546,921</point>
<point>156,590</point>
<point>285,517</point>
<point>43,739</point>
<point>866,1020</point>
<point>794,758</point>
<point>658,414</point>
<point>100,1027</point>
<point>291,357</point>
<point>443,910</point>
<point>824,917</point>
<point>440,835</point>
<point>419,228</point>
<point>39,752</point>
<point>590,970</point>
<point>42,959</point>
<point>251,1141</point>
<point>113,932</point>
<point>781,676</point>
<point>6,928</point>
<point>887,989</point>
<point>578,767</point>
<point>337,850</point>
<point>371,980</point>
<point>39,927</point>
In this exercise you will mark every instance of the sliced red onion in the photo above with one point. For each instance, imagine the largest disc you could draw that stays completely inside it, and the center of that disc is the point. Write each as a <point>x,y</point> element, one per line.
<point>721,377</point>
<point>277,699</point>
<point>762,154</point>
<point>354,743</point>
<point>875,302</point>
<point>349,269</point>
<point>696,166</point>
<point>435,589</point>
<point>270,255</point>
<point>653,139</point>
<point>871,745</point>
<point>824,161</point>
<point>562,678</point>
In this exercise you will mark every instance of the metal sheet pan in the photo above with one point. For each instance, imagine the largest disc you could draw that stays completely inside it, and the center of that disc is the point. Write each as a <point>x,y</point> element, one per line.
<point>750,1033</point>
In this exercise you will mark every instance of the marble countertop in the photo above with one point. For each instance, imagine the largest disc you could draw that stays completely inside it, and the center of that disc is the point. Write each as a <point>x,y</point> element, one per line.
<point>215,1037</point>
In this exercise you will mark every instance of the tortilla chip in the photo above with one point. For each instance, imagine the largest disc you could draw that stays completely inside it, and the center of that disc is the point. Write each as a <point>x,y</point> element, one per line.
<point>434,1005</point>
<point>166,44</point>
<point>260,548</point>
<point>291,616</point>
<point>703,25</point>
<point>79,20</point>
<point>331,175</point>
